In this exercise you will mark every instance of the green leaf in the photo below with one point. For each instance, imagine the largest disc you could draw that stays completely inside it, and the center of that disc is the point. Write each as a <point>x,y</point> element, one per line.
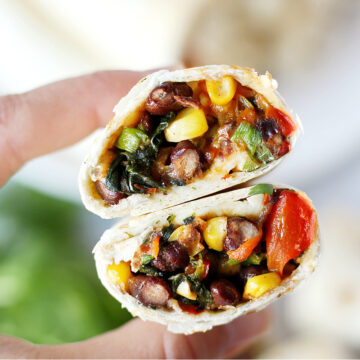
<point>146,259</point>
<point>130,139</point>
<point>261,189</point>
<point>249,135</point>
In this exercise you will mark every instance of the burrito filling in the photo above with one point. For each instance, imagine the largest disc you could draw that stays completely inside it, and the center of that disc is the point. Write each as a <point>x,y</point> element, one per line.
<point>186,131</point>
<point>213,263</point>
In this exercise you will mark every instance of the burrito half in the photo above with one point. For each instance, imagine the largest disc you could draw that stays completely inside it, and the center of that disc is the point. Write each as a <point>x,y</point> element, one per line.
<point>180,135</point>
<point>204,263</point>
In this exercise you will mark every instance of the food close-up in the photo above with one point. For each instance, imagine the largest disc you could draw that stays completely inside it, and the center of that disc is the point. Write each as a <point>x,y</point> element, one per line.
<point>184,134</point>
<point>211,259</point>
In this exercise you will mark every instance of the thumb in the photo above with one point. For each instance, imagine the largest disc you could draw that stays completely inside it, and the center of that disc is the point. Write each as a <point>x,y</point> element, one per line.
<point>138,339</point>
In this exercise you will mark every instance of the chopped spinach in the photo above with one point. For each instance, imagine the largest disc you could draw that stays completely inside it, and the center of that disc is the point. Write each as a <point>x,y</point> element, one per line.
<point>188,220</point>
<point>176,280</point>
<point>171,219</point>
<point>116,174</point>
<point>146,259</point>
<point>167,231</point>
<point>157,137</point>
<point>150,270</point>
<point>130,172</point>
<point>204,297</point>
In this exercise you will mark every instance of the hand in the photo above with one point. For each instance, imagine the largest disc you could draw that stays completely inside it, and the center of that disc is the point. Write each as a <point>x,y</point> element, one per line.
<point>58,115</point>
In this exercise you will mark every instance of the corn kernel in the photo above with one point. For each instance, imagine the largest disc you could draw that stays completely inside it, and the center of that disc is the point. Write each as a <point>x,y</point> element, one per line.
<point>189,124</point>
<point>215,233</point>
<point>119,274</point>
<point>221,91</point>
<point>184,290</point>
<point>259,285</point>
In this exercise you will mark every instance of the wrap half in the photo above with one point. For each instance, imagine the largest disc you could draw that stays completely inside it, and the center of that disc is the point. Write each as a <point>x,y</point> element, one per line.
<point>181,135</point>
<point>209,261</point>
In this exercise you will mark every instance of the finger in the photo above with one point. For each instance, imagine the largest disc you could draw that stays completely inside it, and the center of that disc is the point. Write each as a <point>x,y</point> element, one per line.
<point>139,339</point>
<point>57,115</point>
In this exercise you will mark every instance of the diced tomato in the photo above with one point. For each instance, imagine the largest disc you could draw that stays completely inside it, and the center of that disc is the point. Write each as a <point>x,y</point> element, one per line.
<point>245,250</point>
<point>284,121</point>
<point>290,229</point>
<point>192,309</point>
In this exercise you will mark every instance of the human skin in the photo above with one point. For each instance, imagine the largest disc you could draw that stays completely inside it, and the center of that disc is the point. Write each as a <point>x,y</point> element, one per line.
<point>58,115</point>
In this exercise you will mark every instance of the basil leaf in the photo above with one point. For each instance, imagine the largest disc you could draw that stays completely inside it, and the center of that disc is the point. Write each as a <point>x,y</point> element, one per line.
<point>146,259</point>
<point>249,135</point>
<point>261,189</point>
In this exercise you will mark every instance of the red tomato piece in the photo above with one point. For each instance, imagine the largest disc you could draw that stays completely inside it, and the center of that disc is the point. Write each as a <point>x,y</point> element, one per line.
<point>290,229</point>
<point>284,121</point>
<point>245,249</point>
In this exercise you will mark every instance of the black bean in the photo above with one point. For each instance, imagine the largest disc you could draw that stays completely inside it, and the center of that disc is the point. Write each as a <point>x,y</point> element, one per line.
<point>224,292</point>
<point>162,99</point>
<point>148,123</point>
<point>268,127</point>
<point>150,290</point>
<point>239,231</point>
<point>171,257</point>
<point>110,197</point>
<point>248,272</point>
<point>185,159</point>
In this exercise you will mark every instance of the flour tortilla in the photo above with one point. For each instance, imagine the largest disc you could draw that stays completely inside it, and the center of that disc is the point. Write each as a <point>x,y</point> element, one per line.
<point>120,243</point>
<point>126,115</point>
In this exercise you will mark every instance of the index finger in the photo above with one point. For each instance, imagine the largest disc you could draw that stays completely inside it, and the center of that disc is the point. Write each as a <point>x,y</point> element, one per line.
<point>57,115</point>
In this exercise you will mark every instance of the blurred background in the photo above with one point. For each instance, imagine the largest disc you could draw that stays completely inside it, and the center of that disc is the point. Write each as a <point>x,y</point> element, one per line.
<point>49,292</point>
